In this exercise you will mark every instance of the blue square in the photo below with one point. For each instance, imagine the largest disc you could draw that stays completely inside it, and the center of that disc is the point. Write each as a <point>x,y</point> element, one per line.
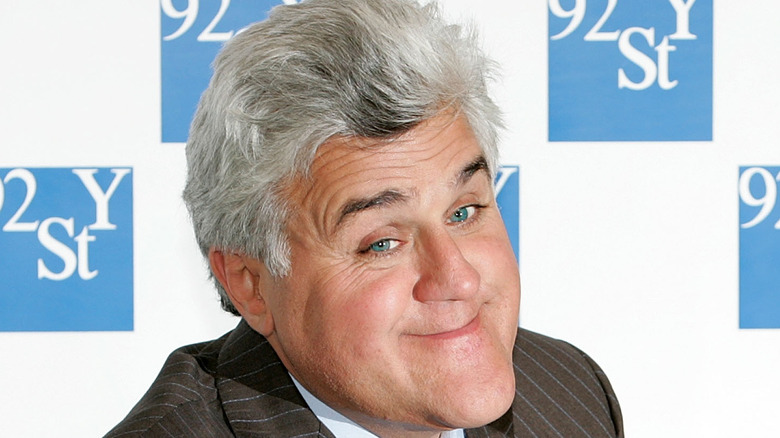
<point>634,70</point>
<point>192,35</point>
<point>759,247</point>
<point>507,185</point>
<point>66,249</point>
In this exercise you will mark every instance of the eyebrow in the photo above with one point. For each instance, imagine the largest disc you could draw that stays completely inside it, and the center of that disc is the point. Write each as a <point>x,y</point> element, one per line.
<point>385,198</point>
<point>478,164</point>
<point>395,196</point>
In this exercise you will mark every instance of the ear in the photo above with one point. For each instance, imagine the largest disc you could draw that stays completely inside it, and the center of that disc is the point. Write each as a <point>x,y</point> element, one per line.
<point>243,279</point>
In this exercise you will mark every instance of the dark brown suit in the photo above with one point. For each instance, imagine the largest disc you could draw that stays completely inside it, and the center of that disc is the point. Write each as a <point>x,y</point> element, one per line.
<point>237,386</point>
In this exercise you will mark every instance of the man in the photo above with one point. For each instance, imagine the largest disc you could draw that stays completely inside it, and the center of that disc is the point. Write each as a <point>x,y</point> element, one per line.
<point>340,169</point>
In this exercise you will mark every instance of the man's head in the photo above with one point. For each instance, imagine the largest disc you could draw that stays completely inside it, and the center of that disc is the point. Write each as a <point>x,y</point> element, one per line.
<point>340,182</point>
<point>310,72</point>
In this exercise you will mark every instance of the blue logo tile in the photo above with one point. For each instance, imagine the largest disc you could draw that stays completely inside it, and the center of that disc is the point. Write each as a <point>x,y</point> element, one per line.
<point>633,70</point>
<point>508,198</point>
<point>192,34</point>
<point>66,249</point>
<point>759,247</point>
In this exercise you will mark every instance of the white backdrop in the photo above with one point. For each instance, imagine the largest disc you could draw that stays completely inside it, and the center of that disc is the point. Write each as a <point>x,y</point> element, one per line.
<point>628,250</point>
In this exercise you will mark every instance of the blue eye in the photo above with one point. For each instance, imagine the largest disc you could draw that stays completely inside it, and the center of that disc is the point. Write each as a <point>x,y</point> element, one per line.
<point>383,245</point>
<point>462,214</point>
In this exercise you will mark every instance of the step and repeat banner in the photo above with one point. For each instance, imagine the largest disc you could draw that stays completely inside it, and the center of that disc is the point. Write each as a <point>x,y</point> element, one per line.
<point>639,186</point>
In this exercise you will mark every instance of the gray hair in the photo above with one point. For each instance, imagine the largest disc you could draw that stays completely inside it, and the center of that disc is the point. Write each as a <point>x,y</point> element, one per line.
<point>312,71</point>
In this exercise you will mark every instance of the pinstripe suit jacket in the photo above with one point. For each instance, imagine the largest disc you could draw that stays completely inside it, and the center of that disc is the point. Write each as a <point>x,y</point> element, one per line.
<point>237,386</point>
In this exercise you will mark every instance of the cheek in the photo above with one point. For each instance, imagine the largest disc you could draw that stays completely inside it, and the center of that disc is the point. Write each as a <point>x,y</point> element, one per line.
<point>493,257</point>
<point>361,307</point>
<point>495,261</point>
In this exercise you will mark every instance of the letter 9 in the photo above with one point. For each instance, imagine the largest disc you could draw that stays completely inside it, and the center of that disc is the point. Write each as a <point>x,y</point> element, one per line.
<point>766,202</point>
<point>576,13</point>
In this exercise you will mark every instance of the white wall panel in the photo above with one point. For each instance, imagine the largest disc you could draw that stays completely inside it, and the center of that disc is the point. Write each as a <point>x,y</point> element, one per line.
<point>629,250</point>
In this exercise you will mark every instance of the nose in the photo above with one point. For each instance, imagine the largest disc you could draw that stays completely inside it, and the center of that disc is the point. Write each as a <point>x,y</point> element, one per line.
<point>444,272</point>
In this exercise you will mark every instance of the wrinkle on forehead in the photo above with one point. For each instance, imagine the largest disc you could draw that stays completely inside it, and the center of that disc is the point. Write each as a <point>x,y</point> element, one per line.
<point>341,163</point>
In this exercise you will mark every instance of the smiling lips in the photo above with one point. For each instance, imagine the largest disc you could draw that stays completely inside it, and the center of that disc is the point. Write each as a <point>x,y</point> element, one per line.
<point>469,328</point>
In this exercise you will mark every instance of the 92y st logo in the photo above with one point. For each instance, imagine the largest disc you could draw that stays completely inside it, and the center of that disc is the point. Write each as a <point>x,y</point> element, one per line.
<point>630,70</point>
<point>759,247</point>
<point>191,34</point>
<point>72,260</point>
<point>655,70</point>
<point>66,249</point>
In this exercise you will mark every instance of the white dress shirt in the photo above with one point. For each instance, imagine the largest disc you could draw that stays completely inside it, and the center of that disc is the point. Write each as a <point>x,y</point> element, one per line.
<point>343,427</point>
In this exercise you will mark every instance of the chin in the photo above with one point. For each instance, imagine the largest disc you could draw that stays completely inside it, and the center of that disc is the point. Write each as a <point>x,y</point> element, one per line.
<point>482,402</point>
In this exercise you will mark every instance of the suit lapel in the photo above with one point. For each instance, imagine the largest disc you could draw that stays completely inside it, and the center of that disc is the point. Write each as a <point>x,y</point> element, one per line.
<point>257,394</point>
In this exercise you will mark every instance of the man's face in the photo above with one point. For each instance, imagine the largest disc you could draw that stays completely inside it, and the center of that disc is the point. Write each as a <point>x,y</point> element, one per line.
<point>401,306</point>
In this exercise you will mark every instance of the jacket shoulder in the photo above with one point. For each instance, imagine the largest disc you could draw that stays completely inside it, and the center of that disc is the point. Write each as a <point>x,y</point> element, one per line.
<point>560,389</point>
<point>183,397</point>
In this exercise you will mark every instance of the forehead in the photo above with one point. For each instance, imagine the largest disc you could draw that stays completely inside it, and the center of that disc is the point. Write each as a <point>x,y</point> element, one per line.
<point>441,142</point>
<point>425,160</point>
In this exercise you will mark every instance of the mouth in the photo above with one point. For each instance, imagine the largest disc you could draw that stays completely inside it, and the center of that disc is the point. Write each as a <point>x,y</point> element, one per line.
<point>464,330</point>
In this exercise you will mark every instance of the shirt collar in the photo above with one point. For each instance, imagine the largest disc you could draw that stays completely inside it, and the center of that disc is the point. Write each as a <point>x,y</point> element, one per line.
<point>343,427</point>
